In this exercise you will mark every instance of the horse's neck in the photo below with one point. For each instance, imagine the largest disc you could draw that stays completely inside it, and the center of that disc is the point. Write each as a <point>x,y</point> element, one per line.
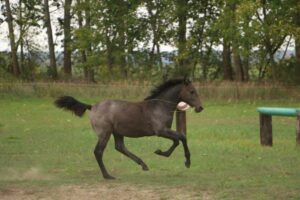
<point>169,99</point>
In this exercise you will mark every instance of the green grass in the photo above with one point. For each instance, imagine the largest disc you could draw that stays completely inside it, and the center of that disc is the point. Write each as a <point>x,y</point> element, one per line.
<point>41,146</point>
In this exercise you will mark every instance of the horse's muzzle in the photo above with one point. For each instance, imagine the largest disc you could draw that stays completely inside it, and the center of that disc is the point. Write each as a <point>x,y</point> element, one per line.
<point>199,109</point>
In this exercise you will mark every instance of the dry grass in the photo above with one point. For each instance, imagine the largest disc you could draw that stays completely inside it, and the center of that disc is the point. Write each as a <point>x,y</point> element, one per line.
<point>216,91</point>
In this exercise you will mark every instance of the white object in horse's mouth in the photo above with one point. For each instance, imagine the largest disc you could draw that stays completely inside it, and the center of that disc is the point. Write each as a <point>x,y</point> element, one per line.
<point>183,106</point>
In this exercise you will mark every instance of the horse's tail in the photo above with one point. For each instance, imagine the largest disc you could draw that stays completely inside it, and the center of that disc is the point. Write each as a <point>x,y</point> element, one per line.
<point>71,104</point>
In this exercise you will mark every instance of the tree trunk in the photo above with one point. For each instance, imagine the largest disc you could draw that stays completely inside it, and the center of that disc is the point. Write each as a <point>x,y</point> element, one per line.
<point>272,67</point>
<point>53,68</point>
<point>22,58</point>
<point>123,64</point>
<point>246,68</point>
<point>122,51</point>
<point>227,69</point>
<point>67,39</point>
<point>21,65</point>
<point>204,61</point>
<point>160,63</point>
<point>151,58</point>
<point>182,9</point>
<point>152,21</point>
<point>109,55</point>
<point>297,44</point>
<point>82,51</point>
<point>154,29</point>
<point>239,74</point>
<point>14,58</point>
<point>89,71</point>
<point>237,61</point>
<point>297,49</point>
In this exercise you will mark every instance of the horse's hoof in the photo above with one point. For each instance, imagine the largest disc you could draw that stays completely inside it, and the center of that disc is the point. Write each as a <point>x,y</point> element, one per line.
<point>145,168</point>
<point>187,164</point>
<point>159,152</point>
<point>108,177</point>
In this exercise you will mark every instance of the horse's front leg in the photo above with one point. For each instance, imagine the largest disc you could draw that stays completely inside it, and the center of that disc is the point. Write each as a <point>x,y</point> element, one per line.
<point>168,152</point>
<point>175,136</point>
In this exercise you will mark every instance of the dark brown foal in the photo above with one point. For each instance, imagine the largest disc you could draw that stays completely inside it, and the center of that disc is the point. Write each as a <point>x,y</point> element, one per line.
<point>150,117</point>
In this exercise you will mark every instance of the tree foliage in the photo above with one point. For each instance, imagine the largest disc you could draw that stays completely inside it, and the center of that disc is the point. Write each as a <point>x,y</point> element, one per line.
<point>214,39</point>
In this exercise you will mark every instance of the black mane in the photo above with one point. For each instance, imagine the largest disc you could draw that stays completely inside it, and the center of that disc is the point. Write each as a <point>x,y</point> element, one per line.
<point>165,85</point>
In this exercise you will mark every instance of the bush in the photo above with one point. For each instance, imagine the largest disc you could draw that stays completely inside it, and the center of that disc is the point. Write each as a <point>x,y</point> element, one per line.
<point>287,71</point>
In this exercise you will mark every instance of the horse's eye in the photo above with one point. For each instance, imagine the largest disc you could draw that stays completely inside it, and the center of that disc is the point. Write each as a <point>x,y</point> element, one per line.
<point>192,92</point>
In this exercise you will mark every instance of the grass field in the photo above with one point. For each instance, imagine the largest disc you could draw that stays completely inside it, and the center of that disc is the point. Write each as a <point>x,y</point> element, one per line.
<point>48,153</point>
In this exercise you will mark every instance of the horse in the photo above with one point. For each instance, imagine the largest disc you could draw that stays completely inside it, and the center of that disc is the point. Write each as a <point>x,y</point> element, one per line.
<point>151,117</point>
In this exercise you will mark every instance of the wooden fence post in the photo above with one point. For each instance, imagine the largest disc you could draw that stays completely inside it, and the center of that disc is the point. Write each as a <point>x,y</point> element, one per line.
<point>298,129</point>
<point>181,121</point>
<point>266,130</point>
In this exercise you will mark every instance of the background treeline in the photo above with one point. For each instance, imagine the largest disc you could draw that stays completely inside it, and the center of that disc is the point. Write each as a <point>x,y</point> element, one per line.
<point>237,40</point>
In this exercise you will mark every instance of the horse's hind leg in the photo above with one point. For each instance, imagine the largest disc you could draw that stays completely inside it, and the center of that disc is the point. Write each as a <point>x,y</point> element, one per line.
<point>120,146</point>
<point>99,149</point>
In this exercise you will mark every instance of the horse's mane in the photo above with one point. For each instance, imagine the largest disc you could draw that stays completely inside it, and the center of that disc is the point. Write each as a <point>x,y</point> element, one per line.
<point>164,86</point>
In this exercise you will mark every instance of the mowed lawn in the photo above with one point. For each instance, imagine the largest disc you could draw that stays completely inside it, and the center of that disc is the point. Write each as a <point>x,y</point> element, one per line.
<point>42,147</point>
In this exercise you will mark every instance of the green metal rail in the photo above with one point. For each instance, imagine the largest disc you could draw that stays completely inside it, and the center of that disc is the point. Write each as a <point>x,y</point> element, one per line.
<point>288,112</point>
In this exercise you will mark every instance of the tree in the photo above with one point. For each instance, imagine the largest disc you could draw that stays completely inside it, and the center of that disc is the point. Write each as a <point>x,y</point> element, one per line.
<point>28,17</point>
<point>80,25</point>
<point>237,61</point>
<point>108,37</point>
<point>88,70</point>
<point>155,11</point>
<point>118,32</point>
<point>203,14</point>
<point>182,16</point>
<point>224,27</point>
<point>14,58</point>
<point>53,68</point>
<point>245,35</point>
<point>67,39</point>
<point>21,64</point>
<point>296,33</point>
<point>226,54</point>
<point>271,20</point>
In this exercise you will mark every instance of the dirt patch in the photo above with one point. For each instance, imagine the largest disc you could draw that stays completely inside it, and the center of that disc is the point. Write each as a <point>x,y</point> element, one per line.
<point>33,173</point>
<point>11,194</point>
<point>104,191</point>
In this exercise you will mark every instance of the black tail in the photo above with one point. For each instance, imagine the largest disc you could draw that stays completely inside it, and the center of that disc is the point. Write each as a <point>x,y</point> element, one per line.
<point>69,103</point>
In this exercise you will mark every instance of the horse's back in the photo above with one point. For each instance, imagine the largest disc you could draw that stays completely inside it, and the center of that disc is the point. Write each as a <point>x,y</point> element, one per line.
<point>121,117</point>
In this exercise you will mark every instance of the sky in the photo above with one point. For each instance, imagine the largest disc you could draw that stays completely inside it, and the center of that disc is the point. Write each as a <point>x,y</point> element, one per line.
<point>41,37</point>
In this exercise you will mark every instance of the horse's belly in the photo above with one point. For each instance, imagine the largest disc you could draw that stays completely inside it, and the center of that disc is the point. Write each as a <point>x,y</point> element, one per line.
<point>133,129</point>
<point>129,119</point>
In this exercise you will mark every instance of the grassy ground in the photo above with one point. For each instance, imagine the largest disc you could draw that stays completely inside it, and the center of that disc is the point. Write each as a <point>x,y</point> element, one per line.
<point>43,148</point>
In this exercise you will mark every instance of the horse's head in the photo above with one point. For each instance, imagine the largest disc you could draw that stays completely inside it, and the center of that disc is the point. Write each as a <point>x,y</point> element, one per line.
<point>189,95</point>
